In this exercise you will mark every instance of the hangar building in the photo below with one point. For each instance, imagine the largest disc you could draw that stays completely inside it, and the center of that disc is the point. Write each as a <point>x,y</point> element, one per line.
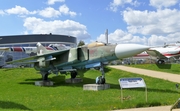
<point>31,41</point>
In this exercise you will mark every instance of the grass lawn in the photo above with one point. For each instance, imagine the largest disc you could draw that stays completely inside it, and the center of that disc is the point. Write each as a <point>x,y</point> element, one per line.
<point>18,92</point>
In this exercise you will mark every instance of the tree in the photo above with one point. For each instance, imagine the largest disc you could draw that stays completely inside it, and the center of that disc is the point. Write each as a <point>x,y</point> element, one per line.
<point>81,43</point>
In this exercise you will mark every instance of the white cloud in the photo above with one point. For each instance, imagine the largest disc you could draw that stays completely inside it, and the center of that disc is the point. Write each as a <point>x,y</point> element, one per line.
<point>119,36</point>
<point>67,27</point>
<point>19,11</point>
<point>158,26</point>
<point>163,3</point>
<point>49,12</point>
<point>116,3</point>
<point>51,2</point>
<point>65,10</point>
<point>160,22</point>
<point>155,40</point>
<point>2,12</point>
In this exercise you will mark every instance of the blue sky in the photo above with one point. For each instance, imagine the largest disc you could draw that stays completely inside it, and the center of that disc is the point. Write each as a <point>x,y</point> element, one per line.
<point>149,22</point>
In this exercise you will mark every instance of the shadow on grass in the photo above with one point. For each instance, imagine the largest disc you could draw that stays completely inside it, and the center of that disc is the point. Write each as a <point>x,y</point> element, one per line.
<point>30,81</point>
<point>164,66</point>
<point>60,80</point>
<point>12,105</point>
<point>148,104</point>
<point>8,69</point>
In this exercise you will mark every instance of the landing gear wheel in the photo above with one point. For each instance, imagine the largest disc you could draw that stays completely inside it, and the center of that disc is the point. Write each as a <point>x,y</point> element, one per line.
<point>103,81</point>
<point>160,61</point>
<point>73,75</point>
<point>100,80</point>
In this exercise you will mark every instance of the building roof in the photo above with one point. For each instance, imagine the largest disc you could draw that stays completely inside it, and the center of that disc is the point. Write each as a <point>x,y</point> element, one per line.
<point>34,38</point>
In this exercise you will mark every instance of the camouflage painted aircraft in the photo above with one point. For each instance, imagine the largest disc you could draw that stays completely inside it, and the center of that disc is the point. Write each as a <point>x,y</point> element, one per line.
<point>87,56</point>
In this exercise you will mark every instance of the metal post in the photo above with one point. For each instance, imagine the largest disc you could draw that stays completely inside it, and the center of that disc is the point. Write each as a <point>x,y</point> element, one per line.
<point>121,95</point>
<point>146,93</point>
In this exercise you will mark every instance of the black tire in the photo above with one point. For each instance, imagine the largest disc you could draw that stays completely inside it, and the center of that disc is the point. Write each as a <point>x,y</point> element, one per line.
<point>73,75</point>
<point>101,80</point>
<point>160,61</point>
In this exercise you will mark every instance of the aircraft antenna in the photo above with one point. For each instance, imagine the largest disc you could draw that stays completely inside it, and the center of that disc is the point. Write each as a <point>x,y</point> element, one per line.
<point>106,35</point>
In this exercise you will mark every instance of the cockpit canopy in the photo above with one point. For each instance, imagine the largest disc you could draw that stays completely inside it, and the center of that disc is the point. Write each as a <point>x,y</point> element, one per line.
<point>95,44</point>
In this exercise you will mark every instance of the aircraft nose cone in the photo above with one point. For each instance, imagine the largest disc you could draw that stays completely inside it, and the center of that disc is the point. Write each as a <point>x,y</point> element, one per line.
<point>128,50</point>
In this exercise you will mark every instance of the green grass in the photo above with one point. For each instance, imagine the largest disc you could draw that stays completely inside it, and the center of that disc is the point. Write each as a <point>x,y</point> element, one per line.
<point>170,68</point>
<point>18,92</point>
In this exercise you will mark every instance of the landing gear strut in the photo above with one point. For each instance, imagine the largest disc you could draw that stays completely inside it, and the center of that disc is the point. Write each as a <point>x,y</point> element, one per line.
<point>45,75</point>
<point>45,81</point>
<point>101,79</point>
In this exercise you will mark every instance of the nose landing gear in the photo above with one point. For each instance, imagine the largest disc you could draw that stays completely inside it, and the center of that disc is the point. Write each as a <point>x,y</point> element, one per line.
<point>101,79</point>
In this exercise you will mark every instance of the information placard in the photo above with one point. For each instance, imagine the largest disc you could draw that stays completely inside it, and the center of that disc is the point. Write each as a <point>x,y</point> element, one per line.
<point>132,82</point>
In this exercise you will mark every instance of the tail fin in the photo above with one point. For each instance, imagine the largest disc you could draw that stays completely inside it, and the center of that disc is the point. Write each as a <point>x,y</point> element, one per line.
<point>41,49</point>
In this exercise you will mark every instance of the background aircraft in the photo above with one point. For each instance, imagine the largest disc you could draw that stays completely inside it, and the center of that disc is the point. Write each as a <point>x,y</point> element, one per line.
<point>161,53</point>
<point>88,56</point>
<point>29,50</point>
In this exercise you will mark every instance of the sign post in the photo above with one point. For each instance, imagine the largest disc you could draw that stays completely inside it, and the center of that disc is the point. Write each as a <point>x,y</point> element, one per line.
<point>132,83</point>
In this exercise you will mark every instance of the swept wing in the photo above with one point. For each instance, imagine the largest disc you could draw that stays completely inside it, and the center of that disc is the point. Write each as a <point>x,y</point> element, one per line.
<point>48,57</point>
<point>155,53</point>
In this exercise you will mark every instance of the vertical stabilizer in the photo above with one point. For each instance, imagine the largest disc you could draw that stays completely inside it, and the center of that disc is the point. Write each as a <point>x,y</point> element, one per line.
<point>41,49</point>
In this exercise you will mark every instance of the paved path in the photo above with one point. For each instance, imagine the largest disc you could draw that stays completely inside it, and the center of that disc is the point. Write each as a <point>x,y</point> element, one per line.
<point>155,74</point>
<point>160,108</point>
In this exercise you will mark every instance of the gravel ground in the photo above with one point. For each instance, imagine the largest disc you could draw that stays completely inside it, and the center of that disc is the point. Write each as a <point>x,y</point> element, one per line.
<point>155,74</point>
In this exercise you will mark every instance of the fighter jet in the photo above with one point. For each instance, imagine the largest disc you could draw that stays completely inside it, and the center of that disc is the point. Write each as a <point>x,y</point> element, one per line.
<point>87,56</point>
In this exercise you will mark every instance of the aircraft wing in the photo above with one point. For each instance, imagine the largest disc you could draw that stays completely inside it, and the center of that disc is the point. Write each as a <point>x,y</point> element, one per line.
<point>156,54</point>
<point>33,59</point>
